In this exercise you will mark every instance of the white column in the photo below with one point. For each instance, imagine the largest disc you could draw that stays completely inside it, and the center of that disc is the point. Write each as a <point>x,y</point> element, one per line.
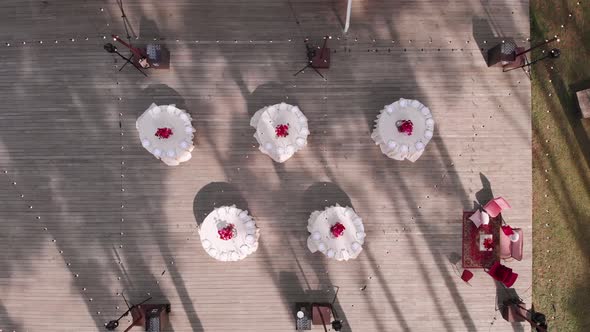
<point>348,10</point>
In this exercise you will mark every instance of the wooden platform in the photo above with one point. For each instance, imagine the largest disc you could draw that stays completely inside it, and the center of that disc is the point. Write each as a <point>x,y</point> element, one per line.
<point>100,216</point>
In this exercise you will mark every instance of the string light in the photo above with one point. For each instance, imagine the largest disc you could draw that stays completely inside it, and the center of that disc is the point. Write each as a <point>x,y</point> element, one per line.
<point>38,218</point>
<point>570,15</point>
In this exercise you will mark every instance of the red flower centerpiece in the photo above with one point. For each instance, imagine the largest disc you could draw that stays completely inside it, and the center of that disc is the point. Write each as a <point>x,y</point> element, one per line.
<point>488,243</point>
<point>282,130</point>
<point>405,126</point>
<point>227,232</point>
<point>164,133</point>
<point>337,229</point>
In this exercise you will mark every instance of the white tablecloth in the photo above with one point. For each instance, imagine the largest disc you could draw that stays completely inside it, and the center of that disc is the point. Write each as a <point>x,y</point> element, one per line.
<point>345,247</point>
<point>245,241</point>
<point>174,149</point>
<point>266,121</point>
<point>398,145</point>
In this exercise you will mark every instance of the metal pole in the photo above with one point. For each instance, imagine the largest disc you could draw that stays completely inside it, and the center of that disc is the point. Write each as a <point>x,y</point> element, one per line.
<point>537,46</point>
<point>348,10</point>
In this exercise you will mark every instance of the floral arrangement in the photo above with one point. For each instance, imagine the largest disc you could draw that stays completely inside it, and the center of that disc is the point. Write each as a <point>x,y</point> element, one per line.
<point>227,232</point>
<point>282,130</point>
<point>164,133</point>
<point>405,126</point>
<point>337,229</point>
<point>507,230</point>
<point>488,243</point>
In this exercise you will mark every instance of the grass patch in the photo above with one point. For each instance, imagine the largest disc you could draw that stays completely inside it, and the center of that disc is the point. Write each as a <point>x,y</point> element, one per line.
<point>561,166</point>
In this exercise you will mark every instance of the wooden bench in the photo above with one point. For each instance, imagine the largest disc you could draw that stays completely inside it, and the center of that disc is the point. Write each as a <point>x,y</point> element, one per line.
<point>584,102</point>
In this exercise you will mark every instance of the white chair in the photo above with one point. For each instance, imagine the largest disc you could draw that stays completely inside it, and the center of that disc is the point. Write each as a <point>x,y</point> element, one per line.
<point>170,162</point>
<point>495,206</point>
<point>316,236</point>
<point>480,218</point>
<point>330,253</point>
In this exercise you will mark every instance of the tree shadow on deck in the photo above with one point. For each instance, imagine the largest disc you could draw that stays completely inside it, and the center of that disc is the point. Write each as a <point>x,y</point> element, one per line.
<point>450,280</point>
<point>396,174</point>
<point>163,94</point>
<point>7,323</point>
<point>79,183</point>
<point>290,286</point>
<point>91,275</point>
<point>281,170</point>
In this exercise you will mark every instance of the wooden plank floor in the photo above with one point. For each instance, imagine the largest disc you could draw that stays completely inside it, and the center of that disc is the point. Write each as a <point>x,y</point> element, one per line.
<point>99,216</point>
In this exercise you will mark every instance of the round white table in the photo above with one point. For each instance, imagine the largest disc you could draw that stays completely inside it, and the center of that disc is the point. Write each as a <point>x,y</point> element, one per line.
<point>344,247</point>
<point>281,130</point>
<point>401,145</point>
<point>245,236</point>
<point>167,133</point>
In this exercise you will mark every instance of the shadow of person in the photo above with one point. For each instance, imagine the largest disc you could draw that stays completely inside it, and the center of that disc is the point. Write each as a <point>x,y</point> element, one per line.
<point>485,194</point>
<point>323,194</point>
<point>216,194</point>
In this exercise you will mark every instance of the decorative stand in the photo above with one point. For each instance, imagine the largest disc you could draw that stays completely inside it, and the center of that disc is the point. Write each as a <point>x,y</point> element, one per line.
<point>512,57</point>
<point>113,49</point>
<point>152,317</point>
<point>112,325</point>
<point>308,314</point>
<point>317,60</point>
<point>553,54</point>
